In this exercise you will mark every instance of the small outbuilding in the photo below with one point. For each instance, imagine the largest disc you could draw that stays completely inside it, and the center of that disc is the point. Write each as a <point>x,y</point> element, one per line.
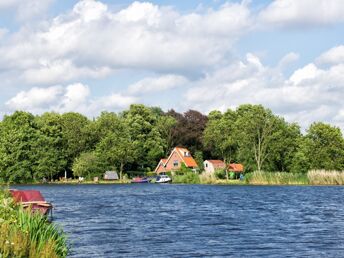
<point>210,166</point>
<point>111,175</point>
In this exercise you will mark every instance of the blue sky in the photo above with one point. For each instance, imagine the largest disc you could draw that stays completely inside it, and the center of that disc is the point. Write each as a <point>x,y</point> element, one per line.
<point>88,56</point>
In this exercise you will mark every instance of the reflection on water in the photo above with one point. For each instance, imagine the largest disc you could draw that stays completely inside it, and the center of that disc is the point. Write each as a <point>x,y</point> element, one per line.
<point>147,220</point>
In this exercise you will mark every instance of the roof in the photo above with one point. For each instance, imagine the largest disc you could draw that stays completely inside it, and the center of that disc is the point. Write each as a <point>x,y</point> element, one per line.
<point>235,167</point>
<point>111,175</point>
<point>189,160</point>
<point>216,161</point>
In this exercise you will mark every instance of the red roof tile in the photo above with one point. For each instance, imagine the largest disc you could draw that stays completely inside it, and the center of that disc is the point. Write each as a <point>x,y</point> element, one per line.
<point>236,167</point>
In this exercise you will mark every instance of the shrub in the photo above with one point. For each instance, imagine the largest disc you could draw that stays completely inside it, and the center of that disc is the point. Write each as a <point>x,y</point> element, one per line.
<point>23,234</point>
<point>220,174</point>
<point>187,178</point>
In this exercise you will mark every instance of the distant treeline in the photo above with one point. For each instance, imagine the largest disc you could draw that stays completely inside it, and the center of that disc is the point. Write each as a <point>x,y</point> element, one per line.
<point>45,146</point>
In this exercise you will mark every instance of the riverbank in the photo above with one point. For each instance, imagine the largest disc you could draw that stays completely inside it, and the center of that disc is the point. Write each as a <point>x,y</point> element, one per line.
<point>313,177</point>
<point>24,234</point>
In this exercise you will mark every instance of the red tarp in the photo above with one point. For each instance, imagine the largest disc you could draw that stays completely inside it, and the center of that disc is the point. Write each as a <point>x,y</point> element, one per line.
<point>27,195</point>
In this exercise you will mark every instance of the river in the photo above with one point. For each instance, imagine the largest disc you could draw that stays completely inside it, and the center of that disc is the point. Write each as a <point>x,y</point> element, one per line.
<point>149,220</point>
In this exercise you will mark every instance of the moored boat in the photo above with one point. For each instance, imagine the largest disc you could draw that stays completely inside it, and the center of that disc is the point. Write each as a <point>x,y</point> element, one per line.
<point>163,179</point>
<point>138,180</point>
<point>32,199</point>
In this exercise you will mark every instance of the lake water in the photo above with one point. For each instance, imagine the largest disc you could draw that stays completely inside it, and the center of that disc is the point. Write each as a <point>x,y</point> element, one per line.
<point>150,220</point>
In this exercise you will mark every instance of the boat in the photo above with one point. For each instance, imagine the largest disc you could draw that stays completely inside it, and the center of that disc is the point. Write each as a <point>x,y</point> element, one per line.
<point>161,179</point>
<point>138,180</point>
<point>33,200</point>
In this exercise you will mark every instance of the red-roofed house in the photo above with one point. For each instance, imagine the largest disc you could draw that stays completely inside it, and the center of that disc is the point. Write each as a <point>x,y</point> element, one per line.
<point>237,168</point>
<point>174,161</point>
<point>210,166</point>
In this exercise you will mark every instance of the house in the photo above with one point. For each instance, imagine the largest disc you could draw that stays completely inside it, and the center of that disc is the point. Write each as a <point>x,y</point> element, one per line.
<point>210,166</point>
<point>175,160</point>
<point>111,175</point>
<point>236,168</point>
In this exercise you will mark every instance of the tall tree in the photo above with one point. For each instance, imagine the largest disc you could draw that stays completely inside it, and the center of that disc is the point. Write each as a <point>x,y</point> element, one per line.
<point>75,135</point>
<point>18,135</point>
<point>220,137</point>
<point>255,126</point>
<point>118,148</point>
<point>145,134</point>
<point>50,157</point>
<point>325,147</point>
<point>188,130</point>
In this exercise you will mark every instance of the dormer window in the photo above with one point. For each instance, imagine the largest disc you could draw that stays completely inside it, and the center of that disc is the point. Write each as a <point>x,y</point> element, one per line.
<point>186,154</point>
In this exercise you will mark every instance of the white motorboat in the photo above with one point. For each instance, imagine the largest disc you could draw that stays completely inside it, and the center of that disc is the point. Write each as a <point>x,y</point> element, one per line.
<point>163,179</point>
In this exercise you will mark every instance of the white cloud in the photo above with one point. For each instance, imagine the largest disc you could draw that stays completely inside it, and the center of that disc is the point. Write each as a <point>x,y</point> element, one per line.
<point>153,84</point>
<point>333,56</point>
<point>61,71</point>
<point>308,72</point>
<point>302,12</point>
<point>28,9</point>
<point>309,94</point>
<point>74,97</point>
<point>91,37</point>
<point>35,98</point>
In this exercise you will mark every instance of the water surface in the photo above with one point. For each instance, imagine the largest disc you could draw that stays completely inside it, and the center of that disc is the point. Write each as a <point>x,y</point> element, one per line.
<point>149,220</point>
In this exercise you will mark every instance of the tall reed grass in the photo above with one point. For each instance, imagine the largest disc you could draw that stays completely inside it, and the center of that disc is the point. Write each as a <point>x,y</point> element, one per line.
<point>325,177</point>
<point>24,234</point>
<point>276,178</point>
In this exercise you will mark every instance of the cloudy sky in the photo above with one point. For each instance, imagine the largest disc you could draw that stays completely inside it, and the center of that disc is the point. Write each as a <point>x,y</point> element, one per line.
<point>88,56</point>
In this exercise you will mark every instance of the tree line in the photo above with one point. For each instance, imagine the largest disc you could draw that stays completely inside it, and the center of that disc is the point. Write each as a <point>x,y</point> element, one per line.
<point>33,147</point>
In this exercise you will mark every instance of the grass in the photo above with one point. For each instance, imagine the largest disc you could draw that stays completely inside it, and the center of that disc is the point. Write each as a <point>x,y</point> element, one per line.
<point>325,177</point>
<point>276,178</point>
<point>24,234</point>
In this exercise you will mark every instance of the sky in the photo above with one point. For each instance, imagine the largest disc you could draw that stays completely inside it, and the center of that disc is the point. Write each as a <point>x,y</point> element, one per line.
<point>88,56</point>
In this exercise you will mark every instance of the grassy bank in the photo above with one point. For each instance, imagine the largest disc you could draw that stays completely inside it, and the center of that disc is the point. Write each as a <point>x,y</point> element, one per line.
<point>23,234</point>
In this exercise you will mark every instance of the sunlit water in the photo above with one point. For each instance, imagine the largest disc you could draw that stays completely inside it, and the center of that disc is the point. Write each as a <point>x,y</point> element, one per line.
<point>147,220</point>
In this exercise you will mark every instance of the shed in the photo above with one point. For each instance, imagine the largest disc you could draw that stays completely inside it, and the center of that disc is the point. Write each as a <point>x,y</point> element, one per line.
<point>237,168</point>
<point>111,175</point>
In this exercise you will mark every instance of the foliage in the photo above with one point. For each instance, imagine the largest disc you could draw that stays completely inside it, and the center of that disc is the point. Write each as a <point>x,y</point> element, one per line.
<point>276,178</point>
<point>199,160</point>
<point>44,146</point>
<point>186,178</point>
<point>220,173</point>
<point>188,131</point>
<point>88,165</point>
<point>325,177</point>
<point>23,234</point>
<point>324,145</point>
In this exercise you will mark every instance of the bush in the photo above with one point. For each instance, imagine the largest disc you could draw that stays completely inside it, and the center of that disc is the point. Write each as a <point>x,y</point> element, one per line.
<point>23,234</point>
<point>220,174</point>
<point>187,178</point>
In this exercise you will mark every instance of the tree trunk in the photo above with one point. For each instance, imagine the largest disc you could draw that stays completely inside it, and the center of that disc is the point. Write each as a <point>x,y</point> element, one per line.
<point>226,169</point>
<point>121,171</point>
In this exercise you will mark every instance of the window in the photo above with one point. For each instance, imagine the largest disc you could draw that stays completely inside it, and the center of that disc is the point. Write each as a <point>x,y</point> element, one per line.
<point>175,163</point>
<point>206,165</point>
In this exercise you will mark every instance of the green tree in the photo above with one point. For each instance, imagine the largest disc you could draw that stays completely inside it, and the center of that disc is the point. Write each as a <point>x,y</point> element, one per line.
<point>18,136</point>
<point>88,165</point>
<point>144,133</point>
<point>76,136</point>
<point>220,136</point>
<point>118,148</point>
<point>255,127</point>
<point>324,147</point>
<point>49,154</point>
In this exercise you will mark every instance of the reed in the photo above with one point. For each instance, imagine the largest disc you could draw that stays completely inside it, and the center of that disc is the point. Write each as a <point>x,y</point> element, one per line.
<point>276,178</point>
<point>24,234</point>
<point>325,177</point>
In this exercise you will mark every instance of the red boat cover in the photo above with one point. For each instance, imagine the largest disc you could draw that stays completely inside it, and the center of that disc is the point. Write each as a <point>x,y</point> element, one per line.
<point>27,195</point>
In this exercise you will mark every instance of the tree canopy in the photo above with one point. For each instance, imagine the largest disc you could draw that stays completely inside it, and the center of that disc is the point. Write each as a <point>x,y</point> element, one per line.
<point>44,146</point>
